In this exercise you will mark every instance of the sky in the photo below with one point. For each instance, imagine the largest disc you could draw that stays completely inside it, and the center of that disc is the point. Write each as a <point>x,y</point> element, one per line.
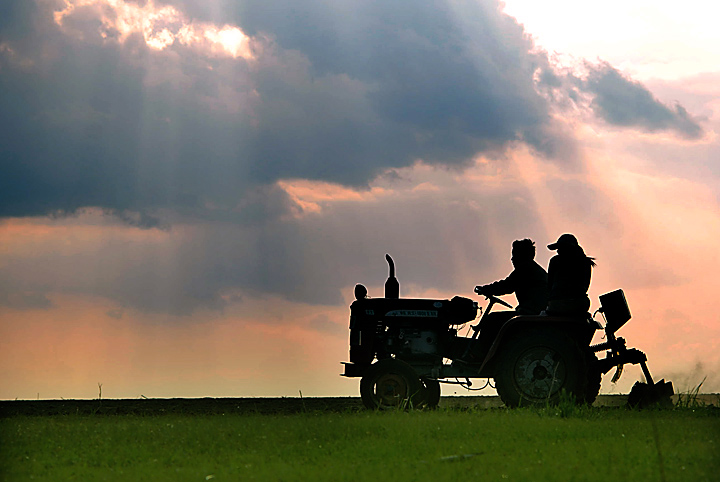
<point>190,189</point>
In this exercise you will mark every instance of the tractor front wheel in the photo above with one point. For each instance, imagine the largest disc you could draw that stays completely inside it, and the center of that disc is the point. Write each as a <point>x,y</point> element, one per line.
<point>537,367</point>
<point>390,383</point>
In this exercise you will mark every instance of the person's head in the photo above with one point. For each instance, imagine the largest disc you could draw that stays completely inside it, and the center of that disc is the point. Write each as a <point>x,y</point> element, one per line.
<point>566,242</point>
<point>567,245</point>
<point>360,292</point>
<point>523,250</point>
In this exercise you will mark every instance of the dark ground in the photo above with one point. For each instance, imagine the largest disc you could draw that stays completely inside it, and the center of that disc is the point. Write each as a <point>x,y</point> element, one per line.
<point>188,406</point>
<point>272,406</point>
<point>269,406</point>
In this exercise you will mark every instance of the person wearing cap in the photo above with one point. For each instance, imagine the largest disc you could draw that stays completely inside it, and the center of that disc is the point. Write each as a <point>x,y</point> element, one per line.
<point>529,282</point>
<point>569,275</point>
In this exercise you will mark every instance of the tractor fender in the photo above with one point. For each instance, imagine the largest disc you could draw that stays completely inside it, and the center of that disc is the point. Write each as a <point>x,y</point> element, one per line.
<point>568,324</point>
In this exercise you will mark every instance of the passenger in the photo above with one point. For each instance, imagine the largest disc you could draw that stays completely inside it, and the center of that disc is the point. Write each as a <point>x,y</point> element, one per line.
<point>569,275</point>
<point>528,281</point>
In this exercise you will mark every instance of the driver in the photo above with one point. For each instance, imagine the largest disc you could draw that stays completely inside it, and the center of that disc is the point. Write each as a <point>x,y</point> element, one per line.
<point>529,282</point>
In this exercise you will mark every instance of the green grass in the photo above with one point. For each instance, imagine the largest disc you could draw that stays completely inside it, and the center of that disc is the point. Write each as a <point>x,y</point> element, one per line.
<point>690,399</point>
<point>552,444</point>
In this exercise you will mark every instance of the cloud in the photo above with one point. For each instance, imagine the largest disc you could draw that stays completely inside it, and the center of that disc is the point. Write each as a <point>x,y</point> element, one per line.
<point>15,298</point>
<point>160,26</point>
<point>309,257</point>
<point>143,106</point>
<point>194,122</point>
<point>623,102</point>
<point>447,229</point>
<point>323,324</point>
<point>137,106</point>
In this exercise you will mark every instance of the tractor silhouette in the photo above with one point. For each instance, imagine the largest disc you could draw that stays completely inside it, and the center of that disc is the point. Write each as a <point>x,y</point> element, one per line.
<point>403,348</point>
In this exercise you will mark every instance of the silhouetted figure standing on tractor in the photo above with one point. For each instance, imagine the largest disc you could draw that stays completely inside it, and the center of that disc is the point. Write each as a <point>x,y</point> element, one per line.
<point>569,275</point>
<point>528,281</point>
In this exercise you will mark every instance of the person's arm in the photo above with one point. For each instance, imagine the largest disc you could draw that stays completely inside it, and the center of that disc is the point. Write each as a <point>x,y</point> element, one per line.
<point>502,287</point>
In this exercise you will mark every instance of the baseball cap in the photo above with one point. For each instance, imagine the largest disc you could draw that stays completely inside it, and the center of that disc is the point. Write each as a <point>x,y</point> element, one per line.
<point>564,240</point>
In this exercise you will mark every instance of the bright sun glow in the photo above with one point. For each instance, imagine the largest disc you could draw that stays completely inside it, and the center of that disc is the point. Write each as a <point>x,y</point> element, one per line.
<point>651,39</point>
<point>160,26</point>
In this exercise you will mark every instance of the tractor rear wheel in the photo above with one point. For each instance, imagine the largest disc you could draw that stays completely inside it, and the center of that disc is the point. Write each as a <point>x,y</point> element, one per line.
<point>390,383</point>
<point>537,367</point>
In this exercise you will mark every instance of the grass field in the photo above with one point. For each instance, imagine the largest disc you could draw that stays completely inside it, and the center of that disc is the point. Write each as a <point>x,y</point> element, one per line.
<point>553,444</point>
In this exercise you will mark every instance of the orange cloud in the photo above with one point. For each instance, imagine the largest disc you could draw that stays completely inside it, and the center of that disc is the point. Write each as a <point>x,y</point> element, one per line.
<point>310,196</point>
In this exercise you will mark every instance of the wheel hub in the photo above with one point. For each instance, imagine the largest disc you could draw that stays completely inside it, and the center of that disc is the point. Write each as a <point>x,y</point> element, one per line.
<point>539,373</point>
<point>391,388</point>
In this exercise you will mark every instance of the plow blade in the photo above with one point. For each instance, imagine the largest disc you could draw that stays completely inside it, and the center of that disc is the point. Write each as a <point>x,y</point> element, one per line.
<point>644,395</point>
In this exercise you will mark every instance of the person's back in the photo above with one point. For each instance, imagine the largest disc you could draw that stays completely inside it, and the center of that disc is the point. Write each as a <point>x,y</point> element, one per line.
<point>569,274</point>
<point>530,286</point>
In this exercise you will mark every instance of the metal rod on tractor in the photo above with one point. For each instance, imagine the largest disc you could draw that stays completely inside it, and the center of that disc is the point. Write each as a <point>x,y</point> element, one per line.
<point>476,328</point>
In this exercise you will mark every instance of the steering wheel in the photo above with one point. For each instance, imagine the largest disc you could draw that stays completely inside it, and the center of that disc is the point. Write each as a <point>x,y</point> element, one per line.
<point>495,299</point>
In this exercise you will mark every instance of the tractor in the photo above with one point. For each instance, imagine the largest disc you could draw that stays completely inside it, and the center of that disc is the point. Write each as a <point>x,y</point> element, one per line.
<point>402,349</point>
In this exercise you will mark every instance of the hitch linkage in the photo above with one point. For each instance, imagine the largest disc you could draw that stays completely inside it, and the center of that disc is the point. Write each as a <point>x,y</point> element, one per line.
<point>618,354</point>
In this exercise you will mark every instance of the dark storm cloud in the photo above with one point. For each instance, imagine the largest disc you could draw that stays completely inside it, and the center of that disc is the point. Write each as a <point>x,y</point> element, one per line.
<point>623,102</point>
<point>336,93</point>
<point>444,80</point>
<point>86,131</point>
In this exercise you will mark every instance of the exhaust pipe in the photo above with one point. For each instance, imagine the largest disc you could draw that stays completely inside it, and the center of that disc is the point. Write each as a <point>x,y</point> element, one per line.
<point>392,286</point>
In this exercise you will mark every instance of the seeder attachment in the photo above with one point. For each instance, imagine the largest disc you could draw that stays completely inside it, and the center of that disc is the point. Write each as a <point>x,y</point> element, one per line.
<point>616,312</point>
